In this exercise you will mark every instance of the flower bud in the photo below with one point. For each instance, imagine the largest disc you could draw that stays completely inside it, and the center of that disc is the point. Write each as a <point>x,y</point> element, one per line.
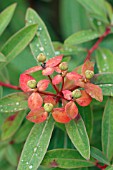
<point>41,57</point>
<point>32,84</point>
<point>89,74</point>
<point>63,66</point>
<point>48,107</point>
<point>76,94</point>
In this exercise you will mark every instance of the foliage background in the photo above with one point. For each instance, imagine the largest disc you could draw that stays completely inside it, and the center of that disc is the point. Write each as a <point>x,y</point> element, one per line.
<point>62,18</point>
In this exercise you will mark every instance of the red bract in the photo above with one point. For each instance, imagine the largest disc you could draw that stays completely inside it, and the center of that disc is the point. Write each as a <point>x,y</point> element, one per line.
<point>57,79</point>
<point>42,85</point>
<point>66,87</point>
<point>71,110</point>
<point>35,101</point>
<point>37,116</point>
<point>81,81</point>
<point>60,115</point>
<point>24,78</point>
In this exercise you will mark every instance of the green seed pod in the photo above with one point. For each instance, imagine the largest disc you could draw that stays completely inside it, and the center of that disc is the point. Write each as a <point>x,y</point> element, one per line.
<point>41,57</point>
<point>48,107</point>
<point>63,66</point>
<point>32,84</point>
<point>89,74</point>
<point>76,94</point>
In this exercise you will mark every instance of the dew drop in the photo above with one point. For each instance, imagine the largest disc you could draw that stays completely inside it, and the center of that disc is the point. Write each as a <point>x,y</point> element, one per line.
<point>15,108</point>
<point>99,23</point>
<point>57,52</point>
<point>27,163</point>
<point>17,103</point>
<point>30,21</point>
<point>40,28</point>
<point>22,160</point>
<point>30,167</point>
<point>35,149</point>
<point>47,53</point>
<point>1,110</point>
<point>37,45</point>
<point>41,49</point>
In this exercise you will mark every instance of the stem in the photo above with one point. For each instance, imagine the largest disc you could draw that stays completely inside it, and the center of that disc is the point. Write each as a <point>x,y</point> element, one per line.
<point>53,85</point>
<point>95,46</point>
<point>62,84</point>
<point>47,93</point>
<point>10,86</point>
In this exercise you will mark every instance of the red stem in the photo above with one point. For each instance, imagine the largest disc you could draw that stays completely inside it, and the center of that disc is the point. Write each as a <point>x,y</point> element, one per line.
<point>102,167</point>
<point>53,85</point>
<point>95,46</point>
<point>47,93</point>
<point>62,84</point>
<point>10,86</point>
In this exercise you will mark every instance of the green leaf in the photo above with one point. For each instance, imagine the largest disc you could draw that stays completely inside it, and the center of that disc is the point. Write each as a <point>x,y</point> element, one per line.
<point>87,115</point>
<point>17,43</point>
<point>107,129</point>
<point>105,81</point>
<point>97,10</point>
<point>1,92</point>
<point>109,167</point>
<point>66,49</point>
<point>104,58</point>
<point>98,155</point>
<point>13,102</point>
<point>36,145</point>
<point>103,78</point>
<point>78,135</point>
<point>42,42</point>
<point>12,124</point>
<point>81,37</point>
<point>23,132</point>
<point>5,17</point>
<point>107,89</point>
<point>71,21</point>
<point>2,58</point>
<point>11,155</point>
<point>65,158</point>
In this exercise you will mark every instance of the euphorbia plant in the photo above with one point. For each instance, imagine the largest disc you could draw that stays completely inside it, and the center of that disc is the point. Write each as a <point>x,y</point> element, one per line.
<point>74,96</point>
<point>67,96</point>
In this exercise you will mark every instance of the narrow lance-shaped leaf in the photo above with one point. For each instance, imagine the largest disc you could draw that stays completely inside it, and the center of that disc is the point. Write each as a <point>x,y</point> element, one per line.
<point>5,17</point>
<point>2,58</point>
<point>98,155</point>
<point>103,78</point>
<point>97,10</point>
<point>12,124</point>
<point>104,58</point>
<point>11,155</point>
<point>107,129</point>
<point>87,115</point>
<point>107,89</point>
<point>42,42</point>
<point>65,158</point>
<point>109,167</point>
<point>78,135</point>
<point>36,145</point>
<point>13,102</point>
<point>81,37</point>
<point>17,43</point>
<point>23,132</point>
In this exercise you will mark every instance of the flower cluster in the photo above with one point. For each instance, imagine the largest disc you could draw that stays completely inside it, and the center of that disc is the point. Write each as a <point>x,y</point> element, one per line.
<point>70,88</point>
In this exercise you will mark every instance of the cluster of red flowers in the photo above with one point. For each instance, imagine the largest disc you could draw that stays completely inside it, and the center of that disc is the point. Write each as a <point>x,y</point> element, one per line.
<point>70,88</point>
